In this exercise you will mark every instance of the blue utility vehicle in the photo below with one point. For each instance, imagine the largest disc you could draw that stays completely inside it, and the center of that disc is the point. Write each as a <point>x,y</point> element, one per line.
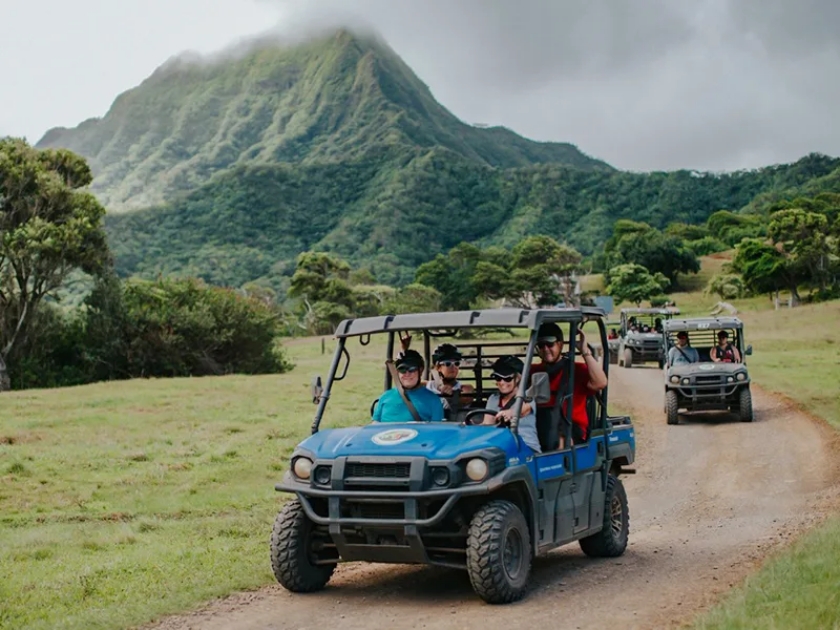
<point>456,493</point>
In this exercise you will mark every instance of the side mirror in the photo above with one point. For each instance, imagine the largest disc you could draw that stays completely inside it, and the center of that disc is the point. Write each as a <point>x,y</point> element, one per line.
<point>749,350</point>
<point>317,389</point>
<point>540,390</point>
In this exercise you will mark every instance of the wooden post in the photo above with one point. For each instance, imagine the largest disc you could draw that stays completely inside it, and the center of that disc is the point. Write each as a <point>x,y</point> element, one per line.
<point>323,345</point>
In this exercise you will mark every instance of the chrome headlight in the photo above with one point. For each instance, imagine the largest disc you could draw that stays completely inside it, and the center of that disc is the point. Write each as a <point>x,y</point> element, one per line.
<point>741,376</point>
<point>730,379</point>
<point>477,469</point>
<point>675,379</point>
<point>686,381</point>
<point>302,467</point>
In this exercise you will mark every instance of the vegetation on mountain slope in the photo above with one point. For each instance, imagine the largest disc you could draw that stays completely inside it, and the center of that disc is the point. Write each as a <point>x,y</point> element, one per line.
<point>242,163</point>
<point>335,98</point>
<point>395,210</point>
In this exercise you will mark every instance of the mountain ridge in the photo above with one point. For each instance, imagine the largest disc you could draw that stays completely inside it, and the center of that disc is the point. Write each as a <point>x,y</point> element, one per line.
<point>332,98</point>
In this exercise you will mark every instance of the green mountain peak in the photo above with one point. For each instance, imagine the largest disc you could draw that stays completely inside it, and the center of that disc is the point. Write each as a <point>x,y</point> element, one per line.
<point>335,97</point>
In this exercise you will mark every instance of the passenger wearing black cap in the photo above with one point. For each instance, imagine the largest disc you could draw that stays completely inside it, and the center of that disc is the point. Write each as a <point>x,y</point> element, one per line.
<point>724,352</point>
<point>682,353</point>
<point>391,406</point>
<point>444,382</point>
<point>446,360</point>
<point>507,372</point>
<point>589,378</point>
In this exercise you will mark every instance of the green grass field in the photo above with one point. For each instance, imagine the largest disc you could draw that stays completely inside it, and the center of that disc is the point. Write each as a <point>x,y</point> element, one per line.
<point>123,501</point>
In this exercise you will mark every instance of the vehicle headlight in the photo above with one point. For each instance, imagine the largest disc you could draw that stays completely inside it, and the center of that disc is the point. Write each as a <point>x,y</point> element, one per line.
<point>302,467</point>
<point>477,469</point>
<point>686,381</point>
<point>741,376</point>
<point>675,379</point>
<point>730,379</point>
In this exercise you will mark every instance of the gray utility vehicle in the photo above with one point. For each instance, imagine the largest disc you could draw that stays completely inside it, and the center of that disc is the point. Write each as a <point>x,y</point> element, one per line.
<point>706,385</point>
<point>457,493</point>
<point>640,336</point>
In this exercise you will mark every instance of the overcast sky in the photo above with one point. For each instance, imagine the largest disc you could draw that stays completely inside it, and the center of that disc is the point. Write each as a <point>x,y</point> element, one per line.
<point>706,84</point>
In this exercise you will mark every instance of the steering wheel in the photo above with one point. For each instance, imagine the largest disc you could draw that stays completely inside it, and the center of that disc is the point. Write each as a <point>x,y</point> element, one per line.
<point>474,412</point>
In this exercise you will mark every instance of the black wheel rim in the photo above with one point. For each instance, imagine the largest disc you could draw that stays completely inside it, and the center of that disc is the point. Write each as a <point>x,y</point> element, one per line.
<point>616,517</point>
<point>513,556</point>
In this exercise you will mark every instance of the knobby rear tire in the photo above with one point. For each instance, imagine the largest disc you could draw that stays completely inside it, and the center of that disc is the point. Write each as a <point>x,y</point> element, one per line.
<point>611,541</point>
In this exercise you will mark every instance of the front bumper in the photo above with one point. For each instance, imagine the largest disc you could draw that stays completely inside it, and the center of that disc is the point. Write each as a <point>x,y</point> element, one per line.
<point>360,489</point>
<point>710,395</point>
<point>406,523</point>
<point>645,353</point>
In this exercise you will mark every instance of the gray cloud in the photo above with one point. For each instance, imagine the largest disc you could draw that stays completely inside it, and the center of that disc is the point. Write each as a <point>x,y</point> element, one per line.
<point>652,84</point>
<point>643,84</point>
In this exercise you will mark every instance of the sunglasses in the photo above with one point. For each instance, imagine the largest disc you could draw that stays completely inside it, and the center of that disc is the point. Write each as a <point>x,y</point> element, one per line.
<point>499,377</point>
<point>450,363</point>
<point>406,369</point>
<point>545,342</point>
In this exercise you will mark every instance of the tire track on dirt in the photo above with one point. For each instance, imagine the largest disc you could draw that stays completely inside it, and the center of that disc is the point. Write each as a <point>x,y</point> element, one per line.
<point>712,496</point>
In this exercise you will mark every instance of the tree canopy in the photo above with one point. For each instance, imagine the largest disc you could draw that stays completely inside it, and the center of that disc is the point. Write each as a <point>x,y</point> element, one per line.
<point>48,228</point>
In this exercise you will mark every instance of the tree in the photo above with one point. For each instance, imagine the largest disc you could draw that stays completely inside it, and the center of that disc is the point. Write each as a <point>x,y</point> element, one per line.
<point>543,268</point>
<point>640,244</point>
<point>413,298</point>
<point>726,285</point>
<point>322,277</point>
<point>803,238</point>
<point>633,283</point>
<point>451,275</point>
<point>48,228</point>
<point>764,268</point>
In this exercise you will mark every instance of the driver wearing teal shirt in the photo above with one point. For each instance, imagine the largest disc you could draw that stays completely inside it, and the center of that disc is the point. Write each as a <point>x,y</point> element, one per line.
<point>392,408</point>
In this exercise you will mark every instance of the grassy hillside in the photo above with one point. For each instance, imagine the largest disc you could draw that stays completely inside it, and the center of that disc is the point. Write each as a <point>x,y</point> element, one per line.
<point>337,97</point>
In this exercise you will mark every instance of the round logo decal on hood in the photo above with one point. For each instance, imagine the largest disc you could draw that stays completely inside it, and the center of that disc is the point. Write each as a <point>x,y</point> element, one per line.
<point>393,436</point>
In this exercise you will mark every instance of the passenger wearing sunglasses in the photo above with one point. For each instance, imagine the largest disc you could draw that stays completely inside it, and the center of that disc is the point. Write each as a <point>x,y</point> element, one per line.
<point>444,382</point>
<point>392,408</point>
<point>446,359</point>
<point>507,372</point>
<point>589,378</point>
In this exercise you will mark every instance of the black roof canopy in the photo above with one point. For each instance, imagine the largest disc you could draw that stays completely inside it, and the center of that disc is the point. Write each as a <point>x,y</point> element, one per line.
<point>702,323</point>
<point>453,320</point>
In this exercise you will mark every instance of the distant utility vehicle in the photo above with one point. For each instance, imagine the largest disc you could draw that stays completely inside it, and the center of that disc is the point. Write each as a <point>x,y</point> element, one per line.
<point>707,385</point>
<point>640,336</point>
<point>454,493</point>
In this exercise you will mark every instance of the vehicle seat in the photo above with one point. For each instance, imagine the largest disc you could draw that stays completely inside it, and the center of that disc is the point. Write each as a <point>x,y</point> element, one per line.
<point>704,355</point>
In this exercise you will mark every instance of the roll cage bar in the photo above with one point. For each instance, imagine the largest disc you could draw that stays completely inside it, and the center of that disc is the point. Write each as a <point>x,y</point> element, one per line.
<point>447,324</point>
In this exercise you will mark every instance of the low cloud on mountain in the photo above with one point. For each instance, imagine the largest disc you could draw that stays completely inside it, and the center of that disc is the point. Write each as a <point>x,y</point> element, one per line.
<point>713,84</point>
<point>648,84</point>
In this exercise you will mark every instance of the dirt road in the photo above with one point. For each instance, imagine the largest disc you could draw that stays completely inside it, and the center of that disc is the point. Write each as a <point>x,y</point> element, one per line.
<point>711,498</point>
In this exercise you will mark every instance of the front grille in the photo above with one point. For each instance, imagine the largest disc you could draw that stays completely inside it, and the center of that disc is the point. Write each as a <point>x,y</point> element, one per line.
<point>379,471</point>
<point>708,380</point>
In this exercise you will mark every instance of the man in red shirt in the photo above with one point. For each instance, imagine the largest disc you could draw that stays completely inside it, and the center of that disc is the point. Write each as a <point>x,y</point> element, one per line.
<point>589,377</point>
